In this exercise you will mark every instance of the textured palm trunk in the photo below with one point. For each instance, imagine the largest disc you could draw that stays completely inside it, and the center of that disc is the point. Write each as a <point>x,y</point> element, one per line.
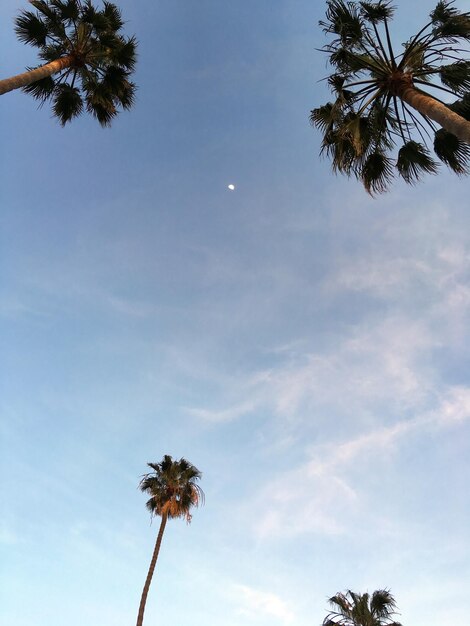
<point>435,110</point>
<point>143,600</point>
<point>26,78</point>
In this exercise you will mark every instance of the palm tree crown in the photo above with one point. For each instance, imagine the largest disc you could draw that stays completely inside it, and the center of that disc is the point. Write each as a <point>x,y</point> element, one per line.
<point>173,492</point>
<point>354,609</point>
<point>172,488</point>
<point>87,62</point>
<point>380,102</point>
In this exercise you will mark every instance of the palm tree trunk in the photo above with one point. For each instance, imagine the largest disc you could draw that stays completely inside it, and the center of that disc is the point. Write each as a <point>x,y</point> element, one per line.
<point>26,78</point>
<point>435,110</point>
<point>143,600</point>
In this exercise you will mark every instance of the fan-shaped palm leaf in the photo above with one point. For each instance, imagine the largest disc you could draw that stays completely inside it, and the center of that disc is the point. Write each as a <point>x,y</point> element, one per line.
<point>462,107</point>
<point>414,160</point>
<point>452,151</point>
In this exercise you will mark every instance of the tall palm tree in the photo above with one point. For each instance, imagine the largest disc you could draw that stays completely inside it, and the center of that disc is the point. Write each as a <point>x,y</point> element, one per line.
<point>87,62</point>
<point>384,99</point>
<point>355,609</point>
<point>173,492</point>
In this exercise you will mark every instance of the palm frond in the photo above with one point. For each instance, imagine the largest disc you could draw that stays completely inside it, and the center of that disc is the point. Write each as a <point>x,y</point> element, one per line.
<point>449,23</point>
<point>443,12</point>
<point>31,29</point>
<point>344,60</point>
<point>102,111</point>
<point>377,172</point>
<point>414,56</point>
<point>98,21</point>
<point>351,62</point>
<point>336,83</point>
<point>88,13</point>
<point>382,604</point>
<point>51,52</point>
<point>56,28</point>
<point>116,82</point>
<point>113,16</point>
<point>42,89</point>
<point>107,41</point>
<point>340,603</point>
<point>456,76</point>
<point>356,128</point>
<point>414,160</point>
<point>461,107</point>
<point>151,505</point>
<point>376,12</point>
<point>46,8</point>
<point>344,20</point>
<point>124,54</point>
<point>451,151</point>
<point>324,117</point>
<point>67,104</point>
<point>341,151</point>
<point>67,9</point>
<point>382,125</point>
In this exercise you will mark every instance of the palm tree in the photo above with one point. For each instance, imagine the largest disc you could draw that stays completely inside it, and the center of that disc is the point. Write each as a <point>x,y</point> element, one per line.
<point>87,62</point>
<point>173,492</point>
<point>355,609</point>
<point>380,99</point>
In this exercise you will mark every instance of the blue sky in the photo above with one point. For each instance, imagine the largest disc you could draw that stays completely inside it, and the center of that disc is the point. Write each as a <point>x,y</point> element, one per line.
<point>305,346</point>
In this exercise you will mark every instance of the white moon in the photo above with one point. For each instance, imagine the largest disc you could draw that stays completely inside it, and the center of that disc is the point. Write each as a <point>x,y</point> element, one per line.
<point>231,187</point>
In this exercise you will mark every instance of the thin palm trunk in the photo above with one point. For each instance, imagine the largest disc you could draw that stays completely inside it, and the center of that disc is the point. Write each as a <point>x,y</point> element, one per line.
<point>435,110</point>
<point>26,78</point>
<point>143,600</point>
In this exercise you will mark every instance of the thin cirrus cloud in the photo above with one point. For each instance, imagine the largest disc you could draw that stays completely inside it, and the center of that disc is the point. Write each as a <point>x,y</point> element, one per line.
<point>372,366</point>
<point>442,278</point>
<point>412,282</point>
<point>256,604</point>
<point>325,477</point>
<point>224,415</point>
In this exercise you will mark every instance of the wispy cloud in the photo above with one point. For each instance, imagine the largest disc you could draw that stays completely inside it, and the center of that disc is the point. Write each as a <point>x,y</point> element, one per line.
<point>317,495</point>
<point>224,415</point>
<point>375,361</point>
<point>375,366</point>
<point>255,604</point>
<point>307,499</point>
<point>455,408</point>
